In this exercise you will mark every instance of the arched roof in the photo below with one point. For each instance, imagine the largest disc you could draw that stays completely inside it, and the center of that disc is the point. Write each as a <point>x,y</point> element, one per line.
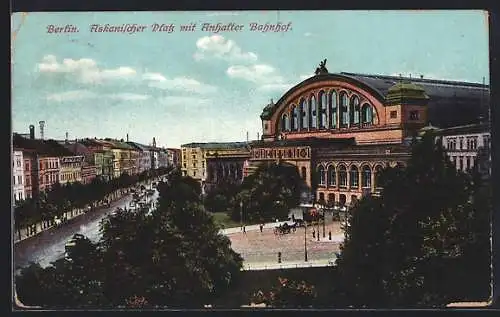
<point>451,102</point>
<point>269,109</point>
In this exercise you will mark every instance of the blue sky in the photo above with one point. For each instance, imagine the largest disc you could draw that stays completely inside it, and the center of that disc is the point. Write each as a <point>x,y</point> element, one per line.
<point>183,87</point>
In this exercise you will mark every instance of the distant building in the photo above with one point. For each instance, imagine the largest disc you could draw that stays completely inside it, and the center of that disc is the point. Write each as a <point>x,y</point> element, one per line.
<point>174,157</point>
<point>102,157</point>
<point>162,158</point>
<point>89,173</point>
<point>125,157</point>
<point>468,147</point>
<point>226,165</point>
<point>18,176</point>
<point>194,161</point>
<point>30,172</point>
<point>144,156</point>
<point>70,170</point>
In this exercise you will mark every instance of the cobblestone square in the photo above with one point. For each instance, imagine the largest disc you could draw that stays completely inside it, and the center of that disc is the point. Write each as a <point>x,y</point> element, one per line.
<point>263,247</point>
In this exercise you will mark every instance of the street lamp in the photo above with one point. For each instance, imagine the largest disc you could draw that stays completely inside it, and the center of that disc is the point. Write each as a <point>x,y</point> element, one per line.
<point>241,213</point>
<point>305,241</point>
<point>324,220</point>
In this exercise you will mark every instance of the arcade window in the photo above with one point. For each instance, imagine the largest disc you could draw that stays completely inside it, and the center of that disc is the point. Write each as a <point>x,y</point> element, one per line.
<point>394,114</point>
<point>414,115</point>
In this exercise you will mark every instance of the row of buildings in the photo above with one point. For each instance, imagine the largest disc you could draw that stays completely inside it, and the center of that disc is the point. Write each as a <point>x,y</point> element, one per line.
<point>340,130</point>
<point>38,164</point>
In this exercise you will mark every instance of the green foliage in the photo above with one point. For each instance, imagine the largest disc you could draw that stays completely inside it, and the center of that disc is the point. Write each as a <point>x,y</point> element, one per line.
<point>287,294</point>
<point>219,199</point>
<point>62,198</point>
<point>172,257</point>
<point>268,194</point>
<point>411,246</point>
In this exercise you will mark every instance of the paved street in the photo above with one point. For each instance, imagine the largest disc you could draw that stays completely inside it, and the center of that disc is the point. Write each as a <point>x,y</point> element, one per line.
<point>48,246</point>
<point>261,248</point>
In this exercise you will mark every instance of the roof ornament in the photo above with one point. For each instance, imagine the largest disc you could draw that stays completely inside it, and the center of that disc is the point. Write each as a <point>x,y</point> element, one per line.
<point>322,68</point>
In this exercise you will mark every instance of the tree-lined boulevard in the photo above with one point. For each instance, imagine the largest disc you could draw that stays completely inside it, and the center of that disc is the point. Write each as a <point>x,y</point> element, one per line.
<point>424,242</point>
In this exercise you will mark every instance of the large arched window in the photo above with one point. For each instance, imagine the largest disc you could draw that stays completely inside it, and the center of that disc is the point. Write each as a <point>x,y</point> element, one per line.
<point>354,110</point>
<point>333,110</point>
<point>323,106</point>
<point>344,111</point>
<point>366,177</point>
<point>378,171</point>
<point>303,173</point>
<point>285,123</point>
<point>354,177</point>
<point>321,175</point>
<point>332,181</point>
<point>313,110</point>
<point>294,122</point>
<point>366,114</point>
<point>342,176</point>
<point>304,115</point>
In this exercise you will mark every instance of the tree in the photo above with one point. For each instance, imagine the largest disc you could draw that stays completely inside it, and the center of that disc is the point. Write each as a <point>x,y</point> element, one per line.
<point>407,247</point>
<point>269,193</point>
<point>173,257</point>
<point>63,284</point>
<point>287,294</point>
<point>219,199</point>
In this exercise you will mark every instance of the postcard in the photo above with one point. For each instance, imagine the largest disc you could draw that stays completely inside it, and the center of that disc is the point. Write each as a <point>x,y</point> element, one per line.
<point>232,159</point>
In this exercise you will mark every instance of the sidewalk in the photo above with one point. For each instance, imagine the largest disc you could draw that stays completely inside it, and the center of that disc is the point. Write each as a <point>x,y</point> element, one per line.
<point>28,232</point>
<point>284,265</point>
<point>251,227</point>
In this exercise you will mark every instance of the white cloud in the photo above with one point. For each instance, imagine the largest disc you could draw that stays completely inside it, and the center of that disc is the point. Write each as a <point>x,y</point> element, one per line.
<point>260,73</point>
<point>308,34</point>
<point>275,87</point>
<point>85,70</point>
<point>304,77</point>
<point>178,84</point>
<point>184,101</point>
<point>154,77</point>
<point>71,95</point>
<point>128,96</point>
<point>216,46</point>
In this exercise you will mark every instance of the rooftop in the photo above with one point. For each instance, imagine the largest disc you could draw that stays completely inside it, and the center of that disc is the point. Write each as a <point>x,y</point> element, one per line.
<point>42,147</point>
<point>216,145</point>
<point>312,141</point>
<point>450,103</point>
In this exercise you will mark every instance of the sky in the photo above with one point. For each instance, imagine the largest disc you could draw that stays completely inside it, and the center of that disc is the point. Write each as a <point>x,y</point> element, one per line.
<point>201,86</point>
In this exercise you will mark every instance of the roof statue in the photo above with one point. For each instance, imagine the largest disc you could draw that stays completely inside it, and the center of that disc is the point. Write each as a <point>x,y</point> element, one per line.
<point>322,68</point>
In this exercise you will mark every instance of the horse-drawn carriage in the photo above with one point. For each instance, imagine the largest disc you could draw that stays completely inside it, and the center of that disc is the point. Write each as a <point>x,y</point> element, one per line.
<point>285,228</point>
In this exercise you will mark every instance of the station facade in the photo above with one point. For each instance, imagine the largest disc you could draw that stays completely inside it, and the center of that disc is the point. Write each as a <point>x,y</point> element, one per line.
<point>341,130</point>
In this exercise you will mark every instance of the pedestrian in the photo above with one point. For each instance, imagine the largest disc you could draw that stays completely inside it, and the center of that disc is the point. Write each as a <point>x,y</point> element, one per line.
<point>244,229</point>
<point>314,234</point>
<point>293,218</point>
<point>329,235</point>
<point>260,228</point>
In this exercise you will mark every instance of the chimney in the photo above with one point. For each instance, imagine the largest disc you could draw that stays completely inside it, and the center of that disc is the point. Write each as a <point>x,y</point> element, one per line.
<point>32,132</point>
<point>154,142</point>
<point>42,125</point>
<point>127,137</point>
<point>66,140</point>
<point>258,136</point>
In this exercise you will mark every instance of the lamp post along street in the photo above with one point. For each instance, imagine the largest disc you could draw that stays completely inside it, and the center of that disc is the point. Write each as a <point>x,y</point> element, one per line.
<point>241,214</point>
<point>324,220</point>
<point>305,242</point>
<point>317,224</point>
